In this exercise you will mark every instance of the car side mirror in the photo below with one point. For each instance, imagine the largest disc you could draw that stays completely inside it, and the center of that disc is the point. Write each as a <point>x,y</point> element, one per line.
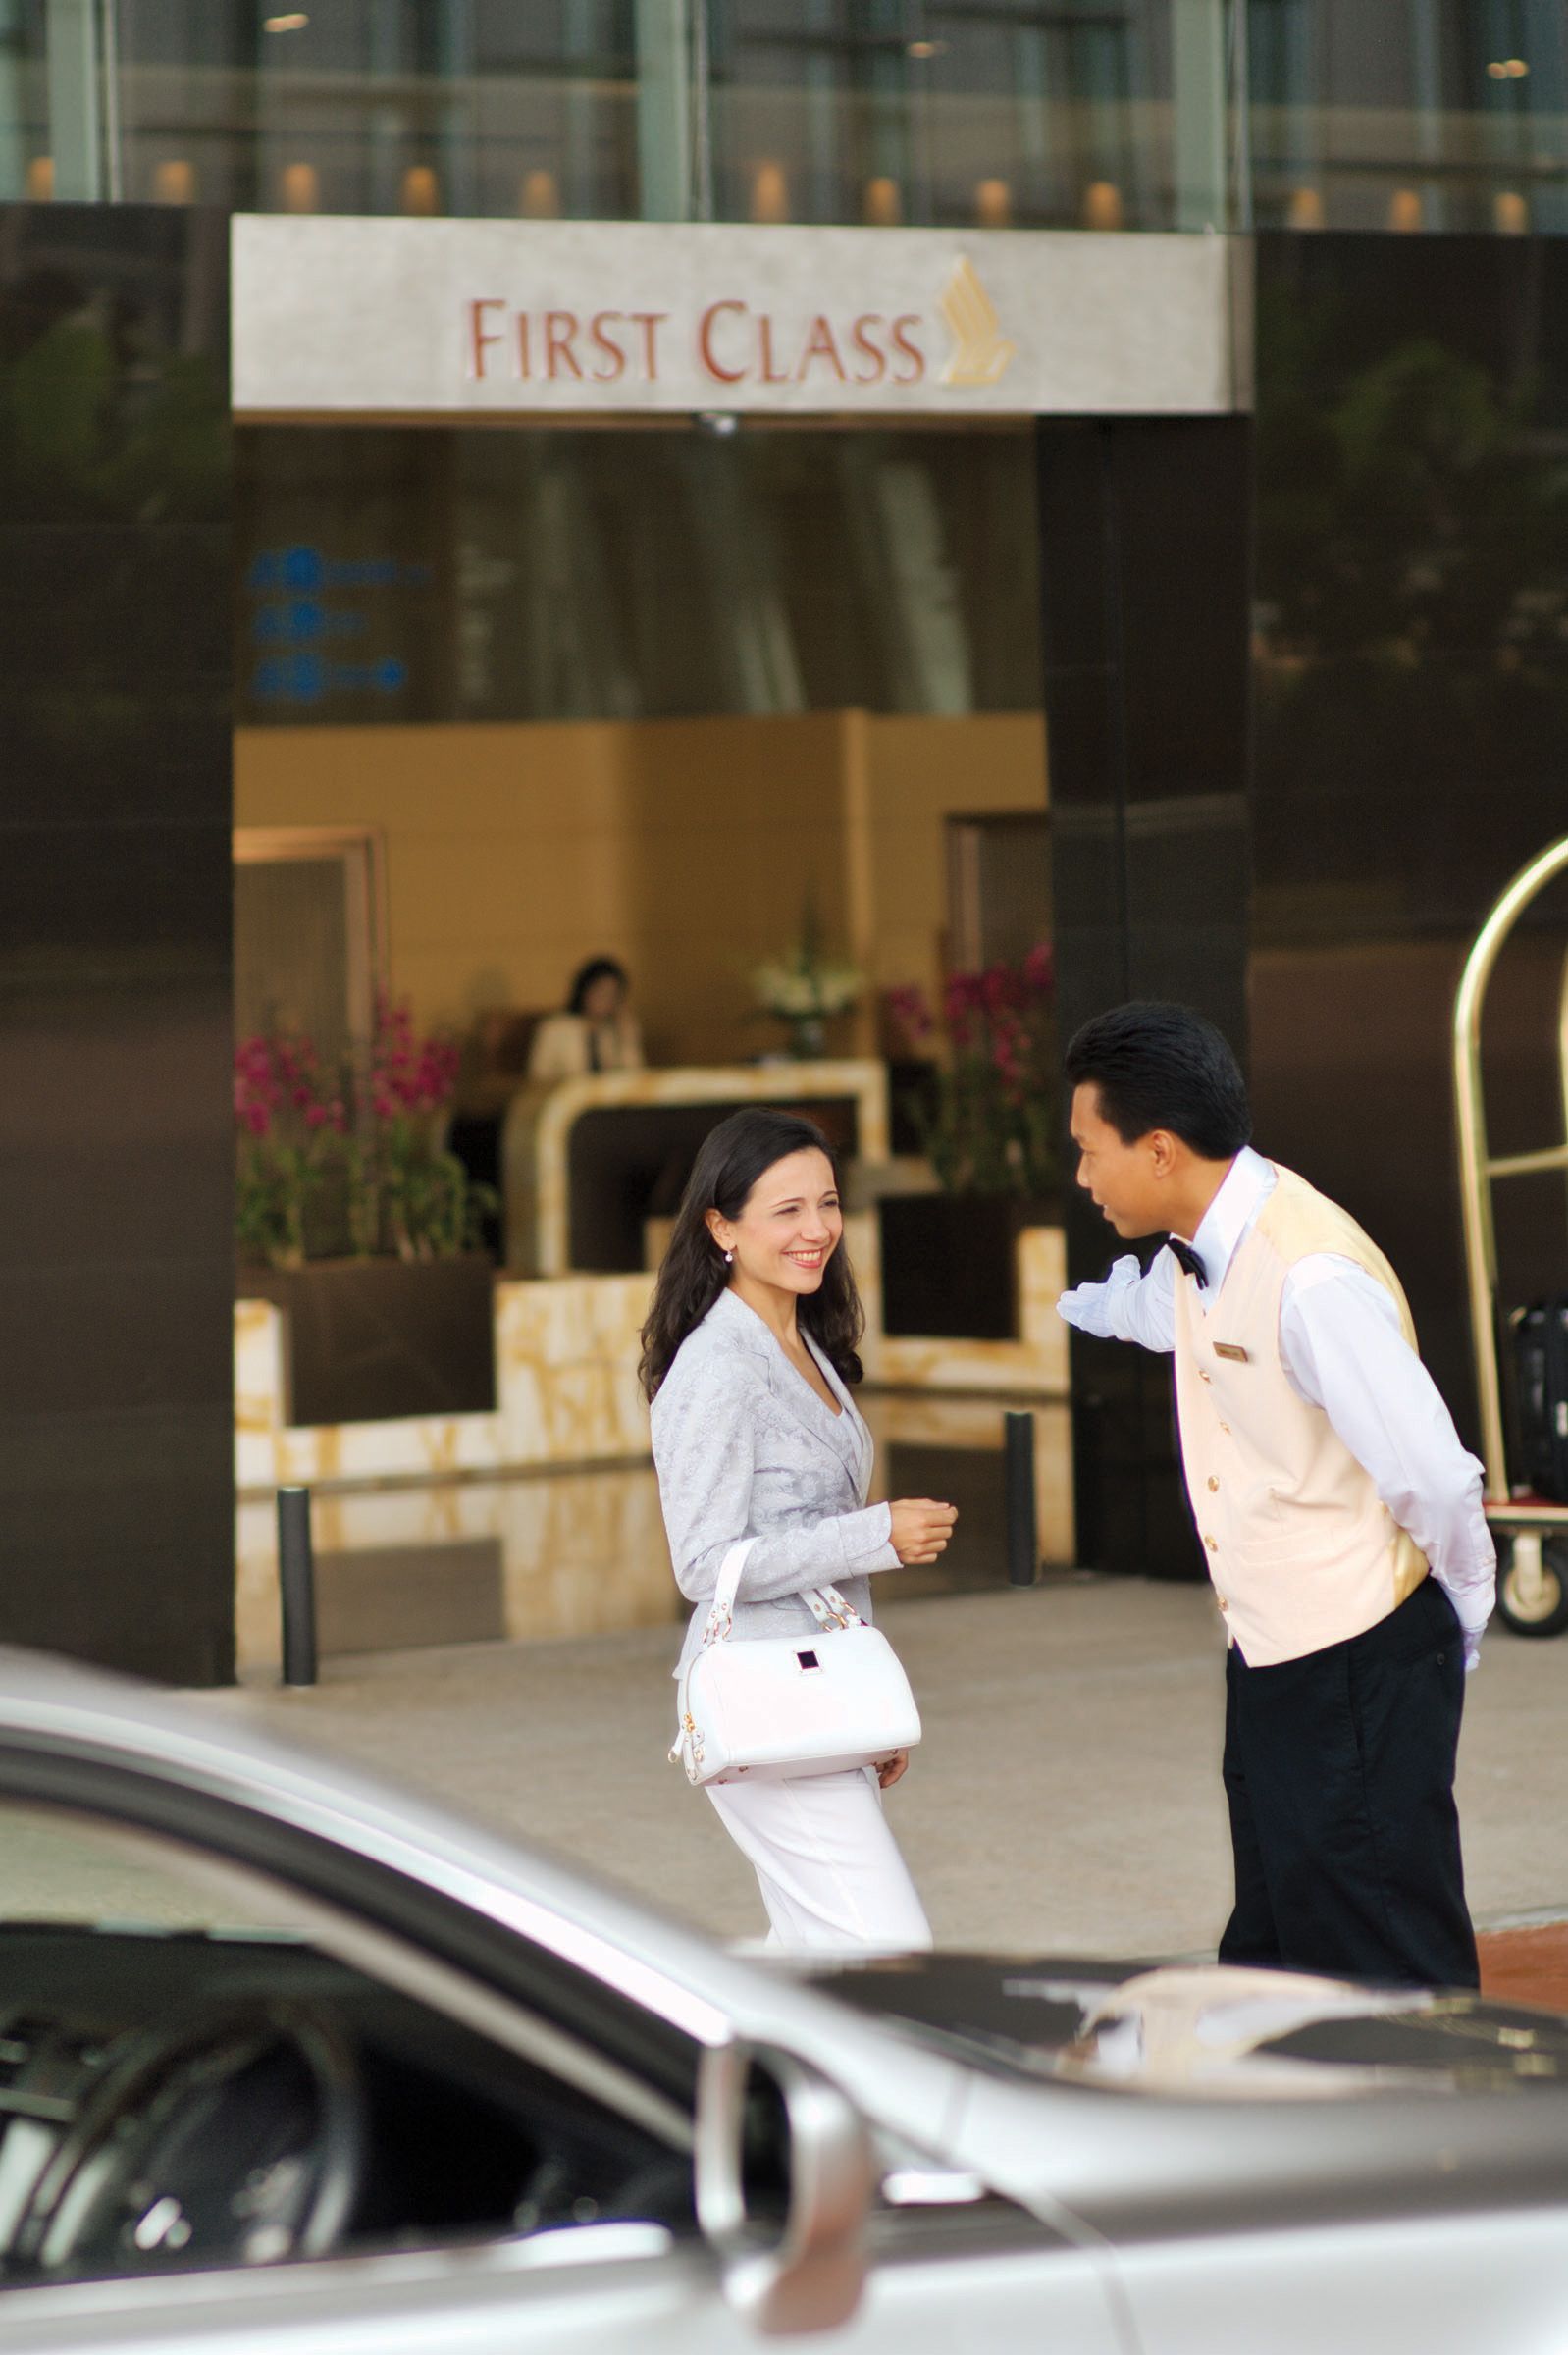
<point>785,2180</point>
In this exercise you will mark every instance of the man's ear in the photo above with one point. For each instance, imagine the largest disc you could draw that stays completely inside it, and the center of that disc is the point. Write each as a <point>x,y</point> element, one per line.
<point>1165,1152</point>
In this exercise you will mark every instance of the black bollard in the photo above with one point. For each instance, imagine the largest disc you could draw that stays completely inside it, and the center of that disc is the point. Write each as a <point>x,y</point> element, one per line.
<point>296,1586</point>
<point>1017,1472</point>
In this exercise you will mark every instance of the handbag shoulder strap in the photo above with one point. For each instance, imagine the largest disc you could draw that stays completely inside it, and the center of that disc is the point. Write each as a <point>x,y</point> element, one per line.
<point>830,1608</point>
<point>721,1618</point>
<point>827,1606</point>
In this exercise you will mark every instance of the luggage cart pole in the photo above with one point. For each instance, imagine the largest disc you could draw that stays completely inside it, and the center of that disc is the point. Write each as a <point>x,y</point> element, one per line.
<point>1532,1594</point>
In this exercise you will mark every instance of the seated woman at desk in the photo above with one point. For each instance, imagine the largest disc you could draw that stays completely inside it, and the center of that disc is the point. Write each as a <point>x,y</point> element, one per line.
<point>597,1032</point>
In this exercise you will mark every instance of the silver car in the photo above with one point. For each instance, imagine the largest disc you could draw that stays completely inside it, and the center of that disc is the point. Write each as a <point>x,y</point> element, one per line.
<point>290,2063</point>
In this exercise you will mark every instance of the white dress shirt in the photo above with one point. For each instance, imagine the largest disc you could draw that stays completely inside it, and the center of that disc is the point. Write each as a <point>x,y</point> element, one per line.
<point>1342,1350</point>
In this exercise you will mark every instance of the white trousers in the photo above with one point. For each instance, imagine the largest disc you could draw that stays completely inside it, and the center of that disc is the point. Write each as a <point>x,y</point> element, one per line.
<point>830,1870</point>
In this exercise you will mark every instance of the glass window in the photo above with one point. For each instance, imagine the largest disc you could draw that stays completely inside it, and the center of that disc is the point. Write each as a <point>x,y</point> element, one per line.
<point>26,169</point>
<point>1417,115</point>
<point>64,1868</point>
<point>969,113</point>
<point>354,106</point>
<point>952,112</point>
<point>1413,115</point>
<point>193,2073</point>
<point>417,574</point>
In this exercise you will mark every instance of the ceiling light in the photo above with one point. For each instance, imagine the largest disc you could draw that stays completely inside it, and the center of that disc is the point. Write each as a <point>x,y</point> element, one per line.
<point>925,49</point>
<point>1507,68</point>
<point>295,22</point>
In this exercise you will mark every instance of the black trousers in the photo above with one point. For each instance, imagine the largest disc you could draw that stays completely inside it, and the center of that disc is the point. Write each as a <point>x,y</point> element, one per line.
<point>1340,1769</point>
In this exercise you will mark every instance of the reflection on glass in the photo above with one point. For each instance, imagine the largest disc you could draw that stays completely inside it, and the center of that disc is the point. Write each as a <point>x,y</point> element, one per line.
<point>358,107</point>
<point>1420,118</point>
<point>412,575</point>
<point>1412,618</point>
<point>1434,116</point>
<point>890,111</point>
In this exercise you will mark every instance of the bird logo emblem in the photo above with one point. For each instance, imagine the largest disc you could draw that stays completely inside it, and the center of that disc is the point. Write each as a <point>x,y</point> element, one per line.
<point>980,351</point>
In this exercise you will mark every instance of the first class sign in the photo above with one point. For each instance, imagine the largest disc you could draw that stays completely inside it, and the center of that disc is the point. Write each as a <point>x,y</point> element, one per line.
<point>735,345</point>
<point>441,319</point>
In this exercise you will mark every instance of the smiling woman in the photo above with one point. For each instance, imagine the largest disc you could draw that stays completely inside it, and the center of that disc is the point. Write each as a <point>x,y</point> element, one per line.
<point>750,1359</point>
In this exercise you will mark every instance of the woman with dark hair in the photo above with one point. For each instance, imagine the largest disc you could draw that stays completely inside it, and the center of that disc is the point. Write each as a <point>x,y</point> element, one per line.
<point>595,1032</point>
<point>750,1359</point>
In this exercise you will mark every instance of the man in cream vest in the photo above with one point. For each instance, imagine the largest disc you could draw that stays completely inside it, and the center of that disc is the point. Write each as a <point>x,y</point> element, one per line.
<point>1339,1516</point>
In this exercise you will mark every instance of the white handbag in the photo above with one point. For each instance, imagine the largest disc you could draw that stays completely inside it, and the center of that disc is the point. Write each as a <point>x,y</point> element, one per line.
<point>791,1704</point>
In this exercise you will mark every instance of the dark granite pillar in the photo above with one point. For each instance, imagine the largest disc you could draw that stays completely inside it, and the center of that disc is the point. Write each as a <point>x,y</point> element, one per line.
<point>1144,565</point>
<point>1412,714</point>
<point>116,1250</point>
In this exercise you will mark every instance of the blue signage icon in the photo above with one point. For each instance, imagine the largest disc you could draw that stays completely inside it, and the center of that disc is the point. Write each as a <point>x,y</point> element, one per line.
<point>296,621</point>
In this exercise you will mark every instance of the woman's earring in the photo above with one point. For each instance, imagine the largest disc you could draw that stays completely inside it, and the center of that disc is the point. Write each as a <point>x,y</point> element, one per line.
<point>729,1259</point>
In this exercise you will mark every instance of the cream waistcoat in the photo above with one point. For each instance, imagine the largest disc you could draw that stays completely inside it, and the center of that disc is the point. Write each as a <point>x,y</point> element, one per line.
<point>1302,1550</point>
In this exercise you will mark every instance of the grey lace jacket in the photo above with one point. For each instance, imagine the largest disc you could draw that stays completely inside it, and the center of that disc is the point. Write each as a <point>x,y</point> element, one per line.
<point>746,1448</point>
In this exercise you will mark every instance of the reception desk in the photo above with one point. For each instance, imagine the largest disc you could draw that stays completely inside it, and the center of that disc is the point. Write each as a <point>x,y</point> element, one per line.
<point>586,1161</point>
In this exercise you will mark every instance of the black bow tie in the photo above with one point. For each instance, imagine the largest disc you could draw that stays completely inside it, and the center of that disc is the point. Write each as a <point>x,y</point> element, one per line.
<point>1187,1260</point>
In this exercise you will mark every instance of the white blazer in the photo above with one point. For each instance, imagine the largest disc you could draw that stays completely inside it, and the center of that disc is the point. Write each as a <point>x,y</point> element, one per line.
<point>745,1448</point>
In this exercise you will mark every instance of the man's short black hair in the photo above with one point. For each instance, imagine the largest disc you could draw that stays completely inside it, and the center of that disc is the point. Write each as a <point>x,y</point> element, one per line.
<point>1164,1066</point>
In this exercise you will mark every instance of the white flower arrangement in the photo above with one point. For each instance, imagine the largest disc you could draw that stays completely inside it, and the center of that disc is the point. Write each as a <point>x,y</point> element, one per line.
<point>799,984</point>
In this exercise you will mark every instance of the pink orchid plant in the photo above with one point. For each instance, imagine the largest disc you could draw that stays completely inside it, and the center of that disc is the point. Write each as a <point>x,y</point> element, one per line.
<point>364,1147</point>
<point>991,1126</point>
<point>288,1115</point>
<point>403,1183</point>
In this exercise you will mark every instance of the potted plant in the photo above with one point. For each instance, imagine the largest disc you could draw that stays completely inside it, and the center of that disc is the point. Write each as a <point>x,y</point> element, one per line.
<point>803,985</point>
<point>288,1121</point>
<point>987,1122</point>
<point>355,1219</point>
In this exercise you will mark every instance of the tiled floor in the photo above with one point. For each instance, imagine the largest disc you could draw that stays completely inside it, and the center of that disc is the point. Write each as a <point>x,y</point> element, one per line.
<point>1065,1798</point>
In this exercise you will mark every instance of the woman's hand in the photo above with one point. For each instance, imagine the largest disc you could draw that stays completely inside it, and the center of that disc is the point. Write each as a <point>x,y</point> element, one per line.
<point>921,1528</point>
<point>892,1770</point>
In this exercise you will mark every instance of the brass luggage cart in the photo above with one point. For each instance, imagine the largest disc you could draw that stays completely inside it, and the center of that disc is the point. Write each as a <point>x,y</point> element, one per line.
<point>1532,1532</point>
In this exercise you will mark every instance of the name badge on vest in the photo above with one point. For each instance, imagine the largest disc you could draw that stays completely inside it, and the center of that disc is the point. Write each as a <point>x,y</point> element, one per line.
<point>1234,1351</point>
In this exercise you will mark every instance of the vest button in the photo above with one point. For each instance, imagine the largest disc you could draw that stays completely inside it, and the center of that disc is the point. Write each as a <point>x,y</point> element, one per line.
<point>1223,1605</point>
<point>1212,1482</point>
<point>1212,1543</point>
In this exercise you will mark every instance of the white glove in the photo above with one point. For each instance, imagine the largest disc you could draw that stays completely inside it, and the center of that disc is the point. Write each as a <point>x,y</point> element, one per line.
<point>1092,1306</point>
<point>1472,1652</point>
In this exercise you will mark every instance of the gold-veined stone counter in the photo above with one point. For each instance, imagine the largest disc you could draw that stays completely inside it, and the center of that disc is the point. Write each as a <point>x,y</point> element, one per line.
<point>583,1548</point>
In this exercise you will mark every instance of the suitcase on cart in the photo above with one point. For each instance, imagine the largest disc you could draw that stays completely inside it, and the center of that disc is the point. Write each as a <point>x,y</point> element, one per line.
<point>1541,1367</point>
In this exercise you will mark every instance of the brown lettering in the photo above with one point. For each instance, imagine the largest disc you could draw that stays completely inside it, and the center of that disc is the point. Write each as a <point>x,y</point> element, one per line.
<point>861,338</point>
<point>598,330</point>
<point>764,338</point>
<point>524,361</point>
<point>650,321</point>
<point>560,328</point>
<point>911,351</point>
<point>480,336</point>
<point>705,343</point>
<point>820,345</point>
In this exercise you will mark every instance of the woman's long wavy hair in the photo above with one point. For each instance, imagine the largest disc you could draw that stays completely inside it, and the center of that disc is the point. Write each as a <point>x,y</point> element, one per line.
<point>735,1155</point>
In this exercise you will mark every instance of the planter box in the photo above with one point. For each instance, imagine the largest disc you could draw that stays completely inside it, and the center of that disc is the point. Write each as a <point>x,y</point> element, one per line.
<point>370,1339</point>
<point>950,1264</point>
